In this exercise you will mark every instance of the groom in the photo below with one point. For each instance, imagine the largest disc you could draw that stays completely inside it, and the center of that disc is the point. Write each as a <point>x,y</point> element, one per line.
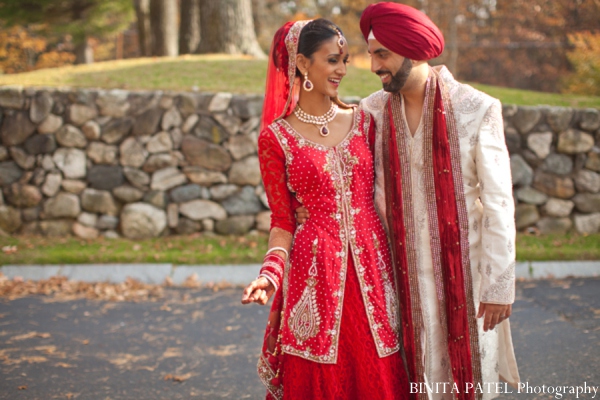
<point>443,188</point>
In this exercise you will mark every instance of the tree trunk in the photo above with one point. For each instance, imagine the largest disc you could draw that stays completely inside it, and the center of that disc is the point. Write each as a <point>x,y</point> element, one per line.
<point>84,54</point>
<point>259,9</point>
<point>142,12</point>
<point>163,23</point>
<point>226,26</point>
<point>189,26</point>
<point>452,62</point>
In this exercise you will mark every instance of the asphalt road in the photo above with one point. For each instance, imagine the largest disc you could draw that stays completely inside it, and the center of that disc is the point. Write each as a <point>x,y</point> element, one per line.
<point>204,344</point>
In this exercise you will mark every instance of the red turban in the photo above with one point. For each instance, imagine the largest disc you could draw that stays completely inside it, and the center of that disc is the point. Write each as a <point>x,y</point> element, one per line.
<point>402,29</point>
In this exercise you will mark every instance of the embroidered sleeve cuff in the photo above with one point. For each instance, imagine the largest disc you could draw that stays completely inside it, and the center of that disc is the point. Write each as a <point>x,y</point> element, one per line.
<point>501,292</point>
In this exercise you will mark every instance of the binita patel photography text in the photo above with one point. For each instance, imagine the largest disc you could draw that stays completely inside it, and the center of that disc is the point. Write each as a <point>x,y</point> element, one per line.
<point>558,391</point>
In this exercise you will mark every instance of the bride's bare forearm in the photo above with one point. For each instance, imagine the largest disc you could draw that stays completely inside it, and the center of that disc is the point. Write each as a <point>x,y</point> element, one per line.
<point>280,238</point>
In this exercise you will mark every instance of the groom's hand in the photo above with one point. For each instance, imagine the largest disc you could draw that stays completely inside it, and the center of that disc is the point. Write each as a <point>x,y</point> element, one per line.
<point>493,314</point>
<point>301,215</point>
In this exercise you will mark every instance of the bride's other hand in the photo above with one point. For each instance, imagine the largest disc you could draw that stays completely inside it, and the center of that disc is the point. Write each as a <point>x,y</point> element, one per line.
<point>301,215</point>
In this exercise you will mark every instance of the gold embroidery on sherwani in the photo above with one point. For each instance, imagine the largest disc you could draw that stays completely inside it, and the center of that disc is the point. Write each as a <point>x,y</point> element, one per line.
<point>408,214</point>
<point>305,318</point>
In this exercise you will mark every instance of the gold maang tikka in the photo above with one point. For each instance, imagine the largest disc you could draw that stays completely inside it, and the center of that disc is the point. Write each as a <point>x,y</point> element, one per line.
<point>341,41</point>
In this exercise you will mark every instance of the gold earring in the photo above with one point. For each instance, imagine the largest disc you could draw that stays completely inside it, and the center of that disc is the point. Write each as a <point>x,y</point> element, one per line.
<point>307,84</point>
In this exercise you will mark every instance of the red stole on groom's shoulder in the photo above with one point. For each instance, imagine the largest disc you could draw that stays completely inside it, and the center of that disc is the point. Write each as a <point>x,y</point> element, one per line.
<point>449,242</point>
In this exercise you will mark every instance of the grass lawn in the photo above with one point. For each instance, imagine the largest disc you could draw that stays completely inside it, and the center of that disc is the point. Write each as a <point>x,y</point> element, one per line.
<point>190,250</point>
<point>236,74</point>
<point>202,249</point>
<point>558,247</point>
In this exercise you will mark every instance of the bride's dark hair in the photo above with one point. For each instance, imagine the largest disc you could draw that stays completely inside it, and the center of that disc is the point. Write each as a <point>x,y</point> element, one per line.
<point>314,34</point>
<point>312,37</point>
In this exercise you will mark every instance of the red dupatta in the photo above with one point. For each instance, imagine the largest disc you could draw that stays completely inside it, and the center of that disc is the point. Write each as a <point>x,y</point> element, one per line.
<point>455,303</point>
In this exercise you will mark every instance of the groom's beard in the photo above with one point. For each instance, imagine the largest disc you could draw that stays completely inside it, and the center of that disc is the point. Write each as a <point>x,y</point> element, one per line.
<point>399,78</point>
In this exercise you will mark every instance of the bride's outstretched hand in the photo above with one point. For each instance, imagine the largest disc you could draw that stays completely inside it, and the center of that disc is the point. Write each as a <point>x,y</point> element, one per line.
<point>258,291</point>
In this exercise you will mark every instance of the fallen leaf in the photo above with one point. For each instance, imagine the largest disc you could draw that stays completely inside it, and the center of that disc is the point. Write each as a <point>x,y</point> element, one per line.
<point>122,359</point>
<point>46,349</point>
<point>172,352</point>
<point>24,387</point>
<point>29,335</point>
<point>64,365</point>
<point>192,281</point>
<point>177,378</point>
<point>198,314</point>
<point>146,368</point>
<point>34,359</point>
<point>223,351</point>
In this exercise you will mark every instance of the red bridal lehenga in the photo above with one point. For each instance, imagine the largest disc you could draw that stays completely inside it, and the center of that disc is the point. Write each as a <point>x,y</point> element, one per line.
<point>334,326</point>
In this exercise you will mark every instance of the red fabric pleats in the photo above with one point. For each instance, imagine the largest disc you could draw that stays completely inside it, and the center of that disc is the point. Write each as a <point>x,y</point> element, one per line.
<point>454,288</point>
<point>359,372</point>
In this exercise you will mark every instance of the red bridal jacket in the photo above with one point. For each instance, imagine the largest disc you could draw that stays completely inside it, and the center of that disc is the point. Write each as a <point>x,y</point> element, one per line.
<point>335,184</point>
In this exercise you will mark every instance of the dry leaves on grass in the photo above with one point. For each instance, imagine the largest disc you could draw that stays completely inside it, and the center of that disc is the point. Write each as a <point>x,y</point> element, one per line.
<point>61,288</point>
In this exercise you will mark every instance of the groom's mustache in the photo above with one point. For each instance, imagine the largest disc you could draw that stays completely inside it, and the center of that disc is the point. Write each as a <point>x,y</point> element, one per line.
<point>381,72</point>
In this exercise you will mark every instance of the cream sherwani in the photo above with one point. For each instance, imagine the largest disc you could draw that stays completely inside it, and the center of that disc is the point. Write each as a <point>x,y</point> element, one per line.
<point>490,209</point>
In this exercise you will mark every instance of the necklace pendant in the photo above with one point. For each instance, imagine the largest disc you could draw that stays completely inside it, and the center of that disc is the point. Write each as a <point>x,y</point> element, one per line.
<point>324,131</point>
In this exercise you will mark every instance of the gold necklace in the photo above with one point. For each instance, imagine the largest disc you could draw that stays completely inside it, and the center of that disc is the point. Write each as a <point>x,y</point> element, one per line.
<point>319,120</point>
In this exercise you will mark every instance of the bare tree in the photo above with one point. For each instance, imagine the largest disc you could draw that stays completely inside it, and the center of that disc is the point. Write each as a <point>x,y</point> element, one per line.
<point>142,12</point>
<point>189,26</point>
<point>163,23</point>
<point>227,26</point>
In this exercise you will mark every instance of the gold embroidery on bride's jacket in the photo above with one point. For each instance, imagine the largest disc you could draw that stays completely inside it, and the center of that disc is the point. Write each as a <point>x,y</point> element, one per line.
<point>304,318</point>
<point>391,299</point>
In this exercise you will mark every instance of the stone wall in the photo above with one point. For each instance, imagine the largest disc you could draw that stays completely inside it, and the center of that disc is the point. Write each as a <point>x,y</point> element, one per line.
<point>555,160</point>
<point>138,164</point>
